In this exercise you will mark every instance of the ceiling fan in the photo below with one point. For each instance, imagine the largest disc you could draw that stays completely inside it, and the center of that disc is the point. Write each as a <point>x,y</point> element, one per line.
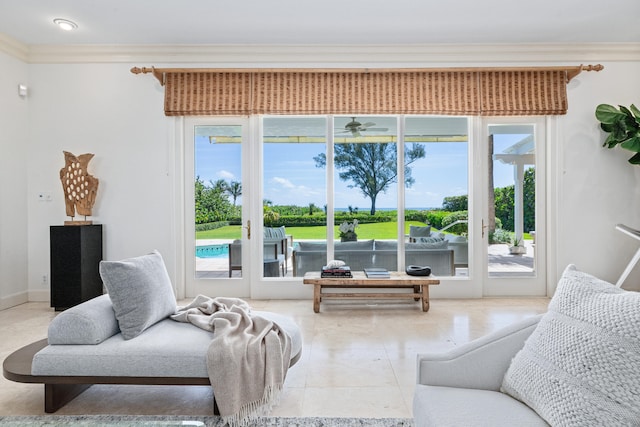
<point>355,127</point>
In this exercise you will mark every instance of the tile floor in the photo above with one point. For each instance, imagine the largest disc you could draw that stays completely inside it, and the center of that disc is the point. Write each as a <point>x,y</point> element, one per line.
<point>358,359</point>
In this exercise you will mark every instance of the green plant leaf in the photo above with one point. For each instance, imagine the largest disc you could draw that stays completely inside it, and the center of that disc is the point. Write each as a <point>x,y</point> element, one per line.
<point>619,130</point>
<point>635,160</point>
<point>626,111</point>
<point>632,144</point>
<point>607,127</point>
<point>611,141</point>
<point>635,111</point>
<point>608,114</point>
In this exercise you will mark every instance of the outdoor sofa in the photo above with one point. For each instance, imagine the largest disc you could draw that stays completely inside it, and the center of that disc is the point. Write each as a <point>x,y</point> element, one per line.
<point>312,256</point>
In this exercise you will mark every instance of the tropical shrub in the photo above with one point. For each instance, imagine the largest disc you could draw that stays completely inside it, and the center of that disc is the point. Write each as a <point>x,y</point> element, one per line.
<point>452,217</point>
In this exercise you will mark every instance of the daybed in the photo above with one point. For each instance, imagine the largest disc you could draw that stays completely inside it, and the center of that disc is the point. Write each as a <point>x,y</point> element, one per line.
<point>95,343</point>
<point>311,256</point>
<point>576,365</point>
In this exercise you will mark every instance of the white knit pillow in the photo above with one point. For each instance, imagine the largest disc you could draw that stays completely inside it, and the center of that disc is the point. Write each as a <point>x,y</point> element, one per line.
<point>581,365</point>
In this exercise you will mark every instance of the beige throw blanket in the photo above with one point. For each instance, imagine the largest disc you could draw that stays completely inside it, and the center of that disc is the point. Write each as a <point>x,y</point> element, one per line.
<point>248,357</point>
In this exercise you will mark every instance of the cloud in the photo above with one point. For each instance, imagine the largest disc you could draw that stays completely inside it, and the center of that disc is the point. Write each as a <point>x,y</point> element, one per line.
<point>283,182</point>
<point>225,175</point>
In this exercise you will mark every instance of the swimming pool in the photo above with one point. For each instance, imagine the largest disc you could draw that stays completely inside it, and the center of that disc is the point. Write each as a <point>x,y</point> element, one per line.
<point>212,251</point>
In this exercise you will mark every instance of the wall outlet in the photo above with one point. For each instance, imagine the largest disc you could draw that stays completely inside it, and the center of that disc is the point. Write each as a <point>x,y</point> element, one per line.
<point>45,279</point>
<point>44,196</point>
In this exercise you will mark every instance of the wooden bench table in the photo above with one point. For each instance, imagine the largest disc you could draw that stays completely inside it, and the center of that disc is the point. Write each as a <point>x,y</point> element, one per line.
<point>398,280</point>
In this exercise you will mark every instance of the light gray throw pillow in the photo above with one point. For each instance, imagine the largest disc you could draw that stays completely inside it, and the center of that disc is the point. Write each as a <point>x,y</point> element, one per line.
<point>419,231</point>
<point>433,242</point>
<point>140,290</point>
<point>91,322</point>
<point>581,365</point>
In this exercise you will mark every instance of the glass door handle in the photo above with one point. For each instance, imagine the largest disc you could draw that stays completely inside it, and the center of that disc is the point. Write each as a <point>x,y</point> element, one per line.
<point>248,227</point>
<point>483,227</point>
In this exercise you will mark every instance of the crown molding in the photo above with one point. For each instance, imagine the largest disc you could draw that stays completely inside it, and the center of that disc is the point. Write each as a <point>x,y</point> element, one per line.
<point>14,48</point>
<point>323,55</point>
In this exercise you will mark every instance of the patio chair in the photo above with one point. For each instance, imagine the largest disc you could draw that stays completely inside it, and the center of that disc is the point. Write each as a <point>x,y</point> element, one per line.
<point>235,255</point>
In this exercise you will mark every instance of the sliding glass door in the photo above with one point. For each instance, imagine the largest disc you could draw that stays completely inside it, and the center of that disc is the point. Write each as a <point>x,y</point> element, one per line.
<point>217,225</point>
<point>268,199</point>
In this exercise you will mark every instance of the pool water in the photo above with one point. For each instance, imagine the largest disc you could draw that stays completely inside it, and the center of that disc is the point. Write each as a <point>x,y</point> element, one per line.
<point>212,251</point>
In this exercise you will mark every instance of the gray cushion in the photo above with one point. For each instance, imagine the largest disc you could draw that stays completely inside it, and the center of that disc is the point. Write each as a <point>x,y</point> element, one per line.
<point>422,246</point>
<point>167,349</point>
<point>140,290</point>
<point>312,246</point>
<point>91,322</point>
<point>361,245</point>
<point>581,365</point>
<point>278,233</point>
<point>274,232</point>
<point>432,242</point>
<point>418,231</point>
<point>464,407</point>
<point>382,245</point>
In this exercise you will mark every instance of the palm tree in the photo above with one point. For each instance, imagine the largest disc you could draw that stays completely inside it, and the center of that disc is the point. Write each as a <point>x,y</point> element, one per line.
<point>235,190</point>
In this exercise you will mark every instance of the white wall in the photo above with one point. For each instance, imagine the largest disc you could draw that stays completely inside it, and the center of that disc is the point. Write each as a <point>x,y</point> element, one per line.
<point>598,188</point>
<point>104,109</point>
<point>13,182</point>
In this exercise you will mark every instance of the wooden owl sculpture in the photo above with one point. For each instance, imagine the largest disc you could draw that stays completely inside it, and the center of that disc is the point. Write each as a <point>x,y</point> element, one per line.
<point>79,187</point>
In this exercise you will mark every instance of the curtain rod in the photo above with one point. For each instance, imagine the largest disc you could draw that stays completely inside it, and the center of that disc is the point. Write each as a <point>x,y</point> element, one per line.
<point>159,73</point>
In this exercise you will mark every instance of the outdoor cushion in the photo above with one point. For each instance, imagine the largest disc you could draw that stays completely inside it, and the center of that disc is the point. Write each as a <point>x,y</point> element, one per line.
<point>382,245</point>
<point>419,231</point>
<point>581,365</point>
<point>456,239</point>
<point>432,242</point>
<point>360,245</point>
<point>88,323</point>
<point>140,290</point>
<point>312,246</point>
<point>441,244</point>
<point>274,232</point>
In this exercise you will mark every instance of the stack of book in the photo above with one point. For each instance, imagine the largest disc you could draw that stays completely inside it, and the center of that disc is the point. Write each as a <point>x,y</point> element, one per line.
<point>341,272</point>
<point>377,273</point>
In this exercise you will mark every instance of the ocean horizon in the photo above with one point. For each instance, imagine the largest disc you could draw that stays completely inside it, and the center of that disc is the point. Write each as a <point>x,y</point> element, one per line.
<point>385,209</point>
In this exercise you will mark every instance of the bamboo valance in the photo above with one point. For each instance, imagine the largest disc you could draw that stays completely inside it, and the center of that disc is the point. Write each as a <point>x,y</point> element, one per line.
<point>468,91</point>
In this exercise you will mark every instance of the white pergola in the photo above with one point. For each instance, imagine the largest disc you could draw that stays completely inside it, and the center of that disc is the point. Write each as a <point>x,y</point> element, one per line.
<point>518,155</point>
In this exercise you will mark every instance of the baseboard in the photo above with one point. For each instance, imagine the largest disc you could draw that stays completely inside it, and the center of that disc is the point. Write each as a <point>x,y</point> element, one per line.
<point>42,295</point>
<point>13,300</point>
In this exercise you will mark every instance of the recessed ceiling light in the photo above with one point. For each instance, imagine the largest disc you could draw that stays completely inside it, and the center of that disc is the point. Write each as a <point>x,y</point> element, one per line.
<point>65,24</point>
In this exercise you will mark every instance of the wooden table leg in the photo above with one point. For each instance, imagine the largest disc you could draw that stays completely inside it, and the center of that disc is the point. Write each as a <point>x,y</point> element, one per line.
<point>316,298</point>
<point>425,297</point>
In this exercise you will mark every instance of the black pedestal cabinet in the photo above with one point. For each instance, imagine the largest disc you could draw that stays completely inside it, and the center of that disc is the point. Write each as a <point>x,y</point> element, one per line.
<point>76,252</point>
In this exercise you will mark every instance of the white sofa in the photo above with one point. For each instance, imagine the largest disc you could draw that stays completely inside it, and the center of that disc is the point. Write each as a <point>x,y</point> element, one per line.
<point>576,365</point>
<point>129,337</point>
<point>462,387</point>
<point>85,347</point>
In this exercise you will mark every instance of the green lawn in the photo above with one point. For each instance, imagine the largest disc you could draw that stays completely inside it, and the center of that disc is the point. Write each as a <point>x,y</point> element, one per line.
<point>380,230</point>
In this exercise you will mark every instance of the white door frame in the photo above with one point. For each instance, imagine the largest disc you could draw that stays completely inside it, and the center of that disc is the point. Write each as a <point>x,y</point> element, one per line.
<point>477,285</point>
<point>236,286</point>
<point>518,286</point>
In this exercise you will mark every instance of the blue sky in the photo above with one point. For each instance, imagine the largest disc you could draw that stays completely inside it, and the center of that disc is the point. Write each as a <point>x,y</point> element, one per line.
<point>292,178</point>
